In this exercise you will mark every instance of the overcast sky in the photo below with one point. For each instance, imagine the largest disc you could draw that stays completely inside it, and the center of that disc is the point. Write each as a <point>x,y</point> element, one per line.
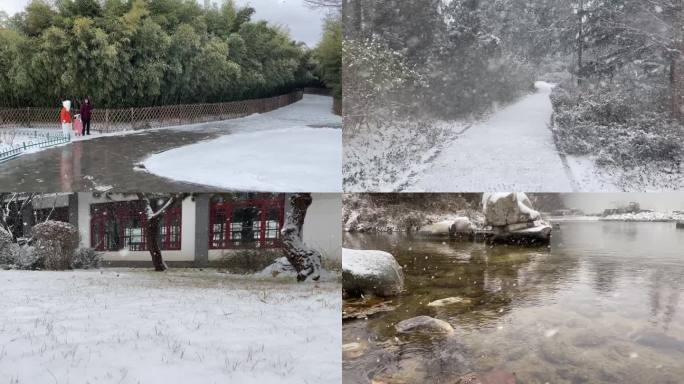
<point>303,23</point>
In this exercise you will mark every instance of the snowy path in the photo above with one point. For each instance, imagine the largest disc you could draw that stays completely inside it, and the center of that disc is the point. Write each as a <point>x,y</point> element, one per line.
<point>511,151</point>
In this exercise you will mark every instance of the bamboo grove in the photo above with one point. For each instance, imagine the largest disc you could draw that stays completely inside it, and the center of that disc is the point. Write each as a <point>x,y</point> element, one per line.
<point>132,53</point>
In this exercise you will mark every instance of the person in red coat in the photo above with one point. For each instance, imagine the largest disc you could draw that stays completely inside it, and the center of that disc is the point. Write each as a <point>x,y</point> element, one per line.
<point>65,117</point>
<point>86,113</point>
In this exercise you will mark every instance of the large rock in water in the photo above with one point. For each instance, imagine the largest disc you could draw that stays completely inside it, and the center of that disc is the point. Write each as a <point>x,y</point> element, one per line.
<point>424,325</point>
<point>371,272</point>
<point>501,209</point>
<point>513,220</point>
<point>460,226</point>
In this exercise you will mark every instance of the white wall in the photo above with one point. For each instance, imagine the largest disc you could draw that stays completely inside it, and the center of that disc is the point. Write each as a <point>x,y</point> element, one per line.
<point>322,229</point>
<point>323,225</point>
<point>187,252</point>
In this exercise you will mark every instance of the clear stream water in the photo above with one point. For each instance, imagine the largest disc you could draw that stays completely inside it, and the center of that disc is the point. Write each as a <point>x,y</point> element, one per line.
<point>601,304</point>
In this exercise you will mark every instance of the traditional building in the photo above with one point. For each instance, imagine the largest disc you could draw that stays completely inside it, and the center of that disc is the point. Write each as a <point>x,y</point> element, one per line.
<point>200,230</point>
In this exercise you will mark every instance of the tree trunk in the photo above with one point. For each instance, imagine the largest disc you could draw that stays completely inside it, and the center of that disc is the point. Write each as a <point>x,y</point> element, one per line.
<point>677,67</point>
<point>345,18</point>
<point>305,260</point>
<point>580,40</point>
<point>152,240</point>
<point>355,19</point>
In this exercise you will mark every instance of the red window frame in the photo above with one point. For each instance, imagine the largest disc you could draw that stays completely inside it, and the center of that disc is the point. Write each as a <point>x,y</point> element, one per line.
<point>223,234</point>
<point>54,214</point>
<point>121,215</point>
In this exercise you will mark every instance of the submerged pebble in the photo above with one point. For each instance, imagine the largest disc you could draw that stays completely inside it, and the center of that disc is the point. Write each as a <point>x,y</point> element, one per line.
<point>424,324</point>
<point>448,301</point>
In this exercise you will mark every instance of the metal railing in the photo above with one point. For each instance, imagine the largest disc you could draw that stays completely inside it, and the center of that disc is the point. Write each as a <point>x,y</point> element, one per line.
<point>36,141</point>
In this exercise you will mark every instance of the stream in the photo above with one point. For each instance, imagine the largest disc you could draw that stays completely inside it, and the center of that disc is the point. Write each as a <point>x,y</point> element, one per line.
<point>600,304</point>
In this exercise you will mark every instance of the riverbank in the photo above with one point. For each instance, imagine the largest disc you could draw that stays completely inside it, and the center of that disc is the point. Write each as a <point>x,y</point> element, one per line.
<point>406,212</point>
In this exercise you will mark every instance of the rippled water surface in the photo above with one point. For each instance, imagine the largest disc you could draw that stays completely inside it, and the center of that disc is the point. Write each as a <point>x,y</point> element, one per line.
<point>601,304</point>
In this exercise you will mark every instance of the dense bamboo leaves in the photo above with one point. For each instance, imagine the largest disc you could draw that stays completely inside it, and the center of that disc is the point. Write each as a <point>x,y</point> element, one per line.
<point>125,53</point>
<point>329,56</point>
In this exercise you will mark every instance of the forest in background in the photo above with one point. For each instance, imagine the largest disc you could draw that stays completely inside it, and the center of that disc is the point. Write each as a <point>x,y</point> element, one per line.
<point>131,53</point>
<point>618,66</point>
<point>459,57</point>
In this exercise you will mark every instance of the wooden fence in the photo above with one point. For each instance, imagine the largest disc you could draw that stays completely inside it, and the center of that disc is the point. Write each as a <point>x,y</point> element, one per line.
<point>114,120</point>
<point>337,106</point>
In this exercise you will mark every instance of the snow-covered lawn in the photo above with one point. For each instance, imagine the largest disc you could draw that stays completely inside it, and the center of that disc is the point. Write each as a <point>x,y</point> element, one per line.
<point>295,148</point>
<point>297,159</point>
<point>182,326</point>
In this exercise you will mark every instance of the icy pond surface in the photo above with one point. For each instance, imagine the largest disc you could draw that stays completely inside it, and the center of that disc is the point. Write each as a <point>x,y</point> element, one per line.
<point>601,304</point>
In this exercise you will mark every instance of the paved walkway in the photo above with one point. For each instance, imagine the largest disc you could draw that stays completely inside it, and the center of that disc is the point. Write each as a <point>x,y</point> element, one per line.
<point>513,150</point>
<point>100,164</point>
<point>109,163</point>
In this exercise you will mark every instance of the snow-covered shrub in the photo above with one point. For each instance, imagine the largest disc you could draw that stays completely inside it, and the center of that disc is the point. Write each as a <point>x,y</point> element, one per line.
<point>56,243</point>
<point>613,123</point>
<point>27,258</point>
<point>6,254</point>
<point>86,258</point>
<point>375,76</point>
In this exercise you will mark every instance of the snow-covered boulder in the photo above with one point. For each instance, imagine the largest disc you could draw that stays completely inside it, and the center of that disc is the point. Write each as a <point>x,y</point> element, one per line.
<point>424,325</point>
<point>463,225</point>
<point>442,228</point>
<point>371,272</point>
<point>514,220</point>
<point>535,232</point>
<point>280,267</point>
<point>455,227</point>
<point>502,209</point>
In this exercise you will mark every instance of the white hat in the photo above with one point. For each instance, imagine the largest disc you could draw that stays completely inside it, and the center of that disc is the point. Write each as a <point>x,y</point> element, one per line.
<point>66,104</point>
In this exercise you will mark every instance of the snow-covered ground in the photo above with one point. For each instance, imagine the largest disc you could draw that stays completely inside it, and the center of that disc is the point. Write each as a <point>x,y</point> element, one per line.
<point>295,148</point>
<point>11,138</point>
<point>388,159</point>
<point>297,159</point>
<point>647,178</point>
<point>181,326</point>
<point>512,150</point>
<point>646,216</point>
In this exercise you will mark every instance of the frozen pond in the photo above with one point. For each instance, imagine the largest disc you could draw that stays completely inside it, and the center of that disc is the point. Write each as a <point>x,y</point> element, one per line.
<point>601,304</point>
